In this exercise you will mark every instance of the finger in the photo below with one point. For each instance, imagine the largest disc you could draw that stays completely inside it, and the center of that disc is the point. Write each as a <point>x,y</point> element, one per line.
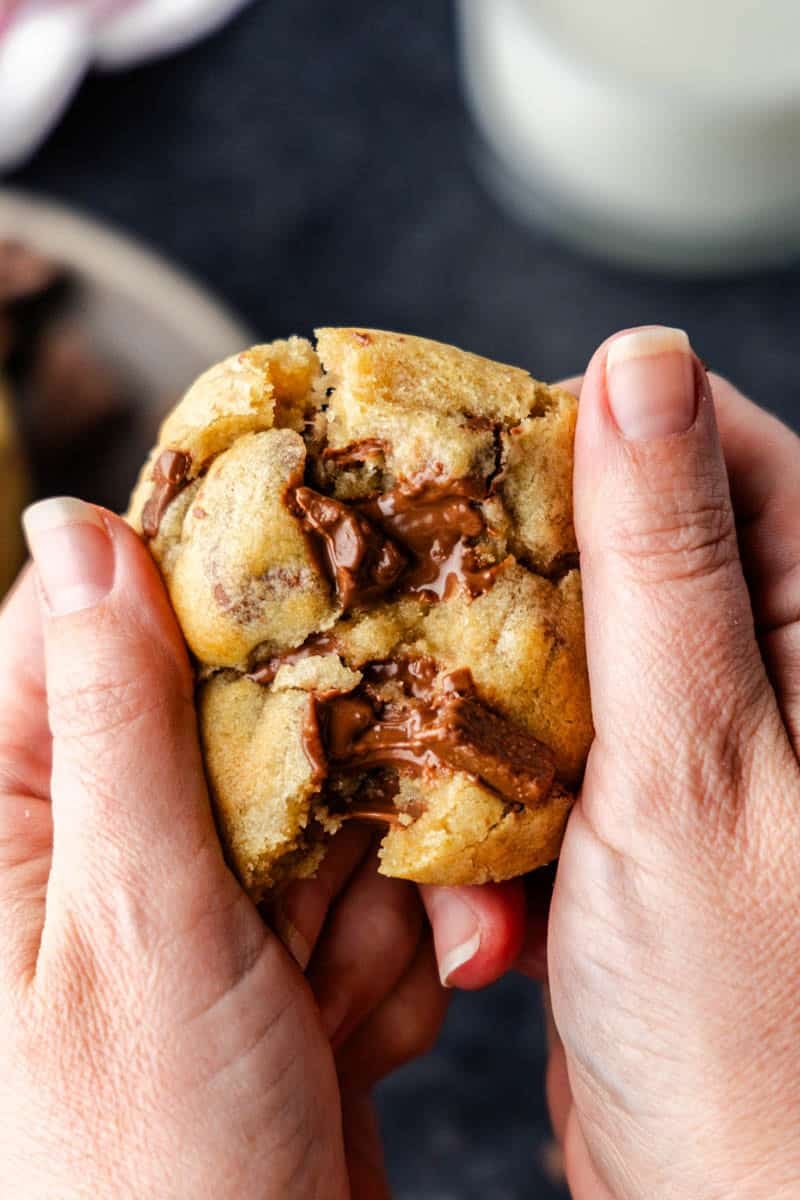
<point>532,959</point>
<point>363,1148</point>
<point>299,912</point>
<point>559,1093</point>
<point>478,931</point>
<point>130,810</point>
<point>557,1086</point>
<point>676,673</point>
<point>372,936</point>
<point>403,1027</point>
<point>573,384</point>
<point>582,1175</point>
<point>25,817</point>
<point>24,730</point>
<point>763,459</point>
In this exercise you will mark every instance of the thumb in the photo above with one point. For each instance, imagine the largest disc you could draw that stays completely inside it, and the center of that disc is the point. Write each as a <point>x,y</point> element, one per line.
<point>130,808</point>
<point>677,678</point>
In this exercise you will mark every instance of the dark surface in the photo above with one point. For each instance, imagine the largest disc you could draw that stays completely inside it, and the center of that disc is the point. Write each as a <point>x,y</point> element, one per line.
<point>312,164</point>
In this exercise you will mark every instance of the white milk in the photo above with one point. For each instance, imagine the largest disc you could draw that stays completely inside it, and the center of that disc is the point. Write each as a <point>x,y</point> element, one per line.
<point>662,131</point>
<point>721,46</point>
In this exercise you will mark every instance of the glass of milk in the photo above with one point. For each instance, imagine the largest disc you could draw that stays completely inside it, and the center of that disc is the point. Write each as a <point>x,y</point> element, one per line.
<point>665,133</point>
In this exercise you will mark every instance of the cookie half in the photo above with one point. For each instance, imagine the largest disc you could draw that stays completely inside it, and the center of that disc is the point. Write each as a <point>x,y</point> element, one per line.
<point>369,547</point>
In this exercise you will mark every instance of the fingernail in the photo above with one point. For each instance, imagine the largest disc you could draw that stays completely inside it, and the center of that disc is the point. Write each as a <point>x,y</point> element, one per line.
<point>651,381</point>
<point>71,547</point>
<point>454,959</point>
<point>456,930</point>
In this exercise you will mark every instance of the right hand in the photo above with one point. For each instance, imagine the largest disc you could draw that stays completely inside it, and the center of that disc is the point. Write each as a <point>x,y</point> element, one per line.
<point>674,932</point>
<point>673,946</point>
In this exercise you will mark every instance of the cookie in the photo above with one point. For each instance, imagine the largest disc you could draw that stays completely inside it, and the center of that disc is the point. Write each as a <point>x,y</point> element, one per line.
<point>369,548</point>
<point>13,494</point>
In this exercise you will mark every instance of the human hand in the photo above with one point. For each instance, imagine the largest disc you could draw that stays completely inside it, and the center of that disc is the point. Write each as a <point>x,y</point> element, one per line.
<point>156,1039</point>
<point>674,939</point>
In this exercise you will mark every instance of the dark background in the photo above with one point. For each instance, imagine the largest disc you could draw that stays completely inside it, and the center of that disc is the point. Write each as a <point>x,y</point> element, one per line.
<point>312,163</point>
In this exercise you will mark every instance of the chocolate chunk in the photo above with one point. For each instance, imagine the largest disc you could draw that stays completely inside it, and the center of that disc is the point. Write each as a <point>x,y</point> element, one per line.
<point>448,728</point>
<point>363,563</point>
<point>470,737</point>
<point>317,644</point>
<point>170,476</point>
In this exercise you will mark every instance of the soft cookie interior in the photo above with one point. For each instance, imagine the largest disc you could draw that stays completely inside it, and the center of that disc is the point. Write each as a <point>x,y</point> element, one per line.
<point>370,549</point>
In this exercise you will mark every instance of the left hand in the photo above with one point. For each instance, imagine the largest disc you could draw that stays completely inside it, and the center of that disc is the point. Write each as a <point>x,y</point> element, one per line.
<point>156,1038</point>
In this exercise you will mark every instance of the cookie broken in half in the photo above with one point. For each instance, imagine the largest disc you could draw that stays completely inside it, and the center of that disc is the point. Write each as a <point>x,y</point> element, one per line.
<point>369,548</point>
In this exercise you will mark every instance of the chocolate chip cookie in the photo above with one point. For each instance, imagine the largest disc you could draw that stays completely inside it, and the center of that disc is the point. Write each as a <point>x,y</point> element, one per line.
<point>369,547</point>
<point>13,494</point>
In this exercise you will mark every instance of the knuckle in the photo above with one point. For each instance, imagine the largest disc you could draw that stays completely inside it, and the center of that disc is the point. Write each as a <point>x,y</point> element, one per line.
<point>673,535</point>
<point>700,761</point>
<point>112,701</point>
<point>96,707</point>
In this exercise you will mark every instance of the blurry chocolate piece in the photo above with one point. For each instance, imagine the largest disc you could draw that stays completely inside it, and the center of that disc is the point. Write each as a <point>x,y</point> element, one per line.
<point>70,404</point>
<point>71,391</point>
<point>24,273</point>
<point>6,336</point>
<point>32,288</point>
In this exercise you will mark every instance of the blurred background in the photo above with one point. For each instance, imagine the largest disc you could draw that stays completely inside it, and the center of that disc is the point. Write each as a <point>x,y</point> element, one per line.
<point>317,162</point>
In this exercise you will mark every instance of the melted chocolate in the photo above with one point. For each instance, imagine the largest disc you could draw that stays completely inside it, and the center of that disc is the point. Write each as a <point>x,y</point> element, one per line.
<point>435,521</point>
<point>414,675</point>
<point>449,727</point>
<point>459,682</point>
<point>362,562</point>
<point>312,743</point>
<point>344,720</point>
<point>170,476</point>
<point>355,452</point>
<point>317,644</point>
<point>416,539</point>
<point>374,801</point>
